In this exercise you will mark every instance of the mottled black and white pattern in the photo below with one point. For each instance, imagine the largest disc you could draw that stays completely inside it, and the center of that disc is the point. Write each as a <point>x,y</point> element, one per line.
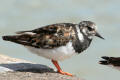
<point>57,41</point>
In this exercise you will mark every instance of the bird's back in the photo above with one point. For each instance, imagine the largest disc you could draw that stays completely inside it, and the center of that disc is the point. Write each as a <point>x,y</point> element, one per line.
<point>47,37</point>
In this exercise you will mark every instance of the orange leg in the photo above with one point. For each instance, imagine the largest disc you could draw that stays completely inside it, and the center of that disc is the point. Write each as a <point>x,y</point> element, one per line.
<point>59,69</point>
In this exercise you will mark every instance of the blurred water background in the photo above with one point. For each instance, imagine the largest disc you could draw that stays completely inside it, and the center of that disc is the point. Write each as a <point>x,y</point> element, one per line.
<point>17,15</point>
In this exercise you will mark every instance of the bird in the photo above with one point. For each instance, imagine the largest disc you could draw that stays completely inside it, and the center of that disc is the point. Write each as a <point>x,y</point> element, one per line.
<point>57,42</point>
<point>113,62</point>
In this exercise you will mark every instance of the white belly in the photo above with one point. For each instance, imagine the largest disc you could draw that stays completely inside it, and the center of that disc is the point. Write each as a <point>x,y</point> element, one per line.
<point>59,53</point>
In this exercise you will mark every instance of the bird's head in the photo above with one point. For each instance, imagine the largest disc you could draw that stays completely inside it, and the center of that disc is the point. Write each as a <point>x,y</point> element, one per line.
<point>89,29</point>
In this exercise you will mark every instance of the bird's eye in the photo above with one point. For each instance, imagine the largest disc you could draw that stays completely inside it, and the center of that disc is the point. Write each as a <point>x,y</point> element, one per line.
<point>90,29</point>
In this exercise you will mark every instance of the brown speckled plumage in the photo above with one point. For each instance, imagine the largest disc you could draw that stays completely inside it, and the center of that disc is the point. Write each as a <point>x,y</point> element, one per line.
<point>57,35</point>
<point>48,37</point>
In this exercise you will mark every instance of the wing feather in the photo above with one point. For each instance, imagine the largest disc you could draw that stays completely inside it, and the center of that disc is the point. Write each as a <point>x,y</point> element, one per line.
<point>50,36</point>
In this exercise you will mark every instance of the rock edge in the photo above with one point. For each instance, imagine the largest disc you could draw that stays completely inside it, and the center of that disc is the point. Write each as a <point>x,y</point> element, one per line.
<point>17,69</point>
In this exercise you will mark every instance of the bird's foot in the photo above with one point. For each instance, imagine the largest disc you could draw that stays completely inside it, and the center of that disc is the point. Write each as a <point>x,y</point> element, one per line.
<point>64,73</point>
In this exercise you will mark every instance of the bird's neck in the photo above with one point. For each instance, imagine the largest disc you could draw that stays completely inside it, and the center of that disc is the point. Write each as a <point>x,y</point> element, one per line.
<point>81,46</point>
<point>82,42</point>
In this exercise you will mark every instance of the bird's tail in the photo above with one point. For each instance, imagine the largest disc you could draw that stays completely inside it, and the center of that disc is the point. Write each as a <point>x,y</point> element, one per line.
<point>115,61</point>
<point>20,39</point>
<point>9,38</point>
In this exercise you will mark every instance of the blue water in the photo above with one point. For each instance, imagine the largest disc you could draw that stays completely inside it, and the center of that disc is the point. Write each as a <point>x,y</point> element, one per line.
<point>17,15</point>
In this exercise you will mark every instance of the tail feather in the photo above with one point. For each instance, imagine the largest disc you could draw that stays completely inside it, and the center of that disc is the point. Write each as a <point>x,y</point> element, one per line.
<point>8,38</point>
<point>20,39</point>
<point>115,61</point>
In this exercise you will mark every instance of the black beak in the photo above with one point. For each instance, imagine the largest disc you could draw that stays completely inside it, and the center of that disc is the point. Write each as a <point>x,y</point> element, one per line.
<point>98,35</point>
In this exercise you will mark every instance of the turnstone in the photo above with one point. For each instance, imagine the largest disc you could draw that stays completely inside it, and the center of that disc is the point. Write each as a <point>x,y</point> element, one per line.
<point>111,61</point>
<point>57,41</point>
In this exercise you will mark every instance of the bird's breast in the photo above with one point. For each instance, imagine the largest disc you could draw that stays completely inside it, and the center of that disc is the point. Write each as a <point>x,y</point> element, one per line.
<point>59,53</point>
<point>81,46</point>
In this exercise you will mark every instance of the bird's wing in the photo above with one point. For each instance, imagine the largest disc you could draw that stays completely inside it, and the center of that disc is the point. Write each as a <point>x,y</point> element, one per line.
<point>115,61</point>
<point>49,28</point>
<point>50,36</point>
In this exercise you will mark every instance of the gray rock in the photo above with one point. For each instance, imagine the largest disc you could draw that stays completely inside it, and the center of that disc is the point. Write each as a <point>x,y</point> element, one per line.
<point>17,69</point>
